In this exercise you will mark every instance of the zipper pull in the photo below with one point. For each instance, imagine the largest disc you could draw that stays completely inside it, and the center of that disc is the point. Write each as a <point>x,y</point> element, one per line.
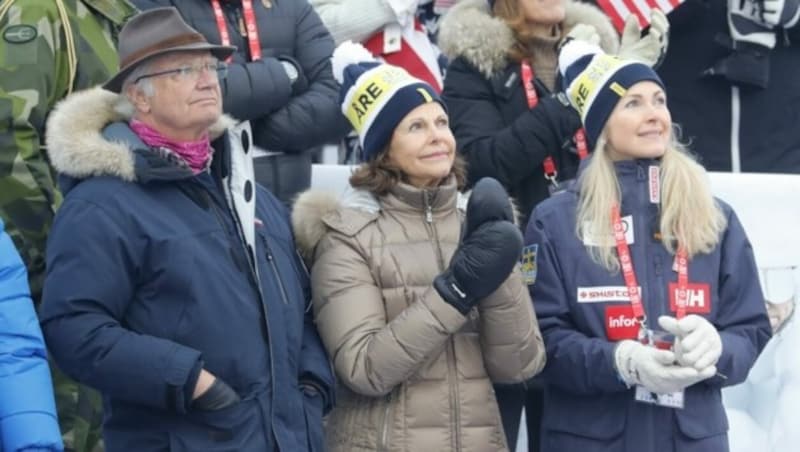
<point>428,208</point>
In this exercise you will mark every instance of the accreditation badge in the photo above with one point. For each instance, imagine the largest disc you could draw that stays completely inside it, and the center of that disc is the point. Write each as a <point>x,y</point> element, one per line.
<point>669,400</point>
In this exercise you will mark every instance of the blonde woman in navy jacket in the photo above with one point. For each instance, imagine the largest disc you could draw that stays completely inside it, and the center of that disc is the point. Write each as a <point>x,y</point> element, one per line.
<point>609,387</point>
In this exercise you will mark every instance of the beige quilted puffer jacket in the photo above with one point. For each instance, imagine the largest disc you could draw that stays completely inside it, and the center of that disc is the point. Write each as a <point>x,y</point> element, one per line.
<point>414,374</point>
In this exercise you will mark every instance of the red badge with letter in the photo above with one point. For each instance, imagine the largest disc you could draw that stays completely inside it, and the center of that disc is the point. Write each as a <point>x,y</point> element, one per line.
<point>698,298</point>
<point>621,323</point>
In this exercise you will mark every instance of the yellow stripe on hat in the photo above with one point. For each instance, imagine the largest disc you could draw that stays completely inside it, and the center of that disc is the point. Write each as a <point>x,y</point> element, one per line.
<point>583,90</point>
<point>617,88</point>
<point>373,89</point>
<point>425,95</point>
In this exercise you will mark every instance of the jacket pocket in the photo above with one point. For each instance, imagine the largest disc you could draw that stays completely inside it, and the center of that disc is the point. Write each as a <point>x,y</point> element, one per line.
<point>572,421</point>
<point>237,428</point>
<point>703,415</point>
<point>312,407</point>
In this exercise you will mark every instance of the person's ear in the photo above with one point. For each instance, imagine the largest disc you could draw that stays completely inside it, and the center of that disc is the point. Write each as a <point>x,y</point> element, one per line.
<point>138,98</point>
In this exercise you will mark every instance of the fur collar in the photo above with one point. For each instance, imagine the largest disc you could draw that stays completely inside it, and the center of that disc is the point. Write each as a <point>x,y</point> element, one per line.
<point>469,30</point>
<point>314,210</point>
<point>77,146</point>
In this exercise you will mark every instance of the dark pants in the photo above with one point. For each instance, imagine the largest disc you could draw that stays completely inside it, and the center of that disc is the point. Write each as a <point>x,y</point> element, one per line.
<point>534,400</point>
<point>510,399</point>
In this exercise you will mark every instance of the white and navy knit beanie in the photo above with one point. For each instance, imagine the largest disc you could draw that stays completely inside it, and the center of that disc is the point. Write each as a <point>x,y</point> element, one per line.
<point>376,96</point>
<point>595,81</point>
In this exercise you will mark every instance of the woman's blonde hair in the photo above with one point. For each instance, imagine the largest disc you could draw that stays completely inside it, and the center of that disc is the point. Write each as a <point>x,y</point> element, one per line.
<point>508,10</point>
<point>689,214</point>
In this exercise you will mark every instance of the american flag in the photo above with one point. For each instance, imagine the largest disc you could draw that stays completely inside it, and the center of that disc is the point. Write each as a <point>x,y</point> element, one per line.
<point>619,10</point>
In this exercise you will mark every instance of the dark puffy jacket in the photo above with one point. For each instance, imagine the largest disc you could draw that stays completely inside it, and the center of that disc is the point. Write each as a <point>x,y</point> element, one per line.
<point>153,275</point>
<point>260,91</point>
<point>500,136</point>
<point>763,122</point>
<point>583,310</point>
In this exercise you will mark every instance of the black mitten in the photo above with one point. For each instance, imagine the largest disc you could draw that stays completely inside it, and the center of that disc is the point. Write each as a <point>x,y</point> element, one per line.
<point>480,264</point>
<point>564,119</point>
<point>487,202</point>
<point>216,397</point>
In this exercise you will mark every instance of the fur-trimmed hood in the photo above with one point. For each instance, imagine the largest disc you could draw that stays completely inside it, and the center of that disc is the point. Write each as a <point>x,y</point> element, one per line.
<point>86,138</point>
<point>469,30</point>
<point>316,211</point>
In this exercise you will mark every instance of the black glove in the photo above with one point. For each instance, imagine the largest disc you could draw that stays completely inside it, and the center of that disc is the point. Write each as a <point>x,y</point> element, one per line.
<point>216,397</point>
<point>565,119</point>
<point>487,202</point>
<point>480,264</point>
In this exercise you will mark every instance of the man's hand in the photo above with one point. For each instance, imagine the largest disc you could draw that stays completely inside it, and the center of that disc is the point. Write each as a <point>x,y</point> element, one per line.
<point>204,381</point>
<point>211,393</point>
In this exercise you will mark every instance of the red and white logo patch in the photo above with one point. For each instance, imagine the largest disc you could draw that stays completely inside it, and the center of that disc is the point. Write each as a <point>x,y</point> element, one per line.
<point>621,323</point>
<point>654,184</point>
<point>698,301</point>
<point>602,294</point>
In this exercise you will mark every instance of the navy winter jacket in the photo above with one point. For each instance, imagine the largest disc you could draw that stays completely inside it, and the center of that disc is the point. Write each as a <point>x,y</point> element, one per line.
<point>583,310</point>
<point>152,276</point>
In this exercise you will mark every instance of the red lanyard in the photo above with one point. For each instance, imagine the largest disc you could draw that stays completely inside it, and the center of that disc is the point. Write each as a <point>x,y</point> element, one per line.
<point>550,172</point>
<point>251,27</point>
<point>628,273</point>
<point>624,254</point>
<point>682,297</point>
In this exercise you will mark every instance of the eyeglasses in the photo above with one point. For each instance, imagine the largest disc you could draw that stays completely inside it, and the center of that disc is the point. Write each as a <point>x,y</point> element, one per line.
<point>190,73</point>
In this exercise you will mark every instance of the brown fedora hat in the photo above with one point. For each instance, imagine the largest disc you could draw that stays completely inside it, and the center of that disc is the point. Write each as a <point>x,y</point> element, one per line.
<point>155,32</point>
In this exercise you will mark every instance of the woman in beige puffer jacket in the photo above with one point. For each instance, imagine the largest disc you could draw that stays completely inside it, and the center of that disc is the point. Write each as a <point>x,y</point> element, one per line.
<point>415,374</point>
<point>416,344</point>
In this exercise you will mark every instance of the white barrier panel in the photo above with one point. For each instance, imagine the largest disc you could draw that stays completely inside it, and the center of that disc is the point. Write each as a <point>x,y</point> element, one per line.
<point>332,178</point>
<point>762,410</point>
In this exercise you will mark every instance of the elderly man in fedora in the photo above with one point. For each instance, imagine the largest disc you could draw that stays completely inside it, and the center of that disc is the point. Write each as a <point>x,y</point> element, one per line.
<point>173,285</point>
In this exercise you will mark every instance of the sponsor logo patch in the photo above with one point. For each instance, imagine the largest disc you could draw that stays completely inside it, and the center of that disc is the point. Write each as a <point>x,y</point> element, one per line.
<point>654,183</point>
<point>621,323</point>
<point>699,298</point>
<point>528,263</point>
<point>603,294</point>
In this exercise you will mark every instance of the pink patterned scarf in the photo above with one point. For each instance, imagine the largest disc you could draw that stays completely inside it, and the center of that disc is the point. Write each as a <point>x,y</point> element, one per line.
<point>195,153</point>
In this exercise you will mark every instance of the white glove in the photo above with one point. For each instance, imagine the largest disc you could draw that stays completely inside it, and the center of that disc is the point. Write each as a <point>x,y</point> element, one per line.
<point>655,369</point>
<point>649,49</point>
<point>583,32</point>
<point>697,342</point>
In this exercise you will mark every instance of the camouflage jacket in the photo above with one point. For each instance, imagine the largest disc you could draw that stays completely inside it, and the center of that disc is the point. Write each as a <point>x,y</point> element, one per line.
<point>34,75</point>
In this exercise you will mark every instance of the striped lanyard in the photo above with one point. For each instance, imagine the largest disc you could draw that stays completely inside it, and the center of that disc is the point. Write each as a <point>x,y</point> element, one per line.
<point>250,27</point>
<point>629,274</point>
